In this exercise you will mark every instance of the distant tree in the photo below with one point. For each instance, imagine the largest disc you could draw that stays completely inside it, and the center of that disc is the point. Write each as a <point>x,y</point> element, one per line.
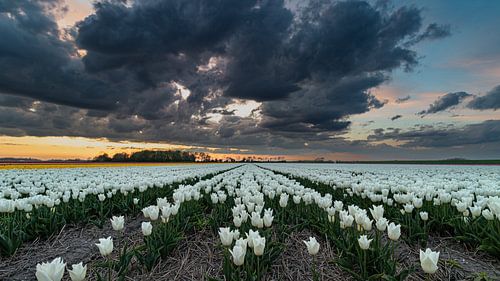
<point>102,158</point>
<point>120,157</point>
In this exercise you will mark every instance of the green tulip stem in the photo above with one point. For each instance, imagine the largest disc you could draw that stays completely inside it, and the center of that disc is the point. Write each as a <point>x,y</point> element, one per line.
<point>109,268</point>
<point>258,268</point>
<point>364,263</point>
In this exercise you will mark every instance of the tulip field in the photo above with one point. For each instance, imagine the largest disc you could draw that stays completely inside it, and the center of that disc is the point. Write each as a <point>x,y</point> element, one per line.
<point>263,221</point>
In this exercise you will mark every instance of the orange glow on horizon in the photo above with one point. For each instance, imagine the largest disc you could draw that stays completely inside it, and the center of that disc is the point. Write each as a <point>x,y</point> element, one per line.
<point>48,148</point>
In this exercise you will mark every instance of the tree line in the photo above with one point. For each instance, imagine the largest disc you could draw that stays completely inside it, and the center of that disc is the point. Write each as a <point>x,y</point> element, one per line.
<point>148,156</point>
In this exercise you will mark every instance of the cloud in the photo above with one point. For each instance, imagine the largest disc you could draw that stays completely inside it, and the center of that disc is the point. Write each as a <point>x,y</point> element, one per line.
<point>403,99</point>
<point>395,117</point>
<point>489,101</point>
<point>113,74</point>
<point>448,136</point>
<point>37,63</point>
<point>434,31</point>
<point>445,102</point>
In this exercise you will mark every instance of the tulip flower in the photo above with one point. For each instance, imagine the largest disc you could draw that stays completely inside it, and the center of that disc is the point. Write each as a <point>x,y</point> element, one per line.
<point>346,221</point>
<point>238,255</point>
<point>408,208</point>
<point>475,211</point>
<point>417,202</point>
<point>52,271</point>
<point>424,216</point>
<point>78,272</point>
<point>283,200</point>
<point>105,246</point>
<point>488,215</point>
<point>364,242</point>
<point>175,208</point>
<point>242,243</point>
<point>118,223</point>
<point>154,212</point>
<point>251,235</point>
<point>250,207</point>
<point>147,228</point>
<point>268,219</point>
<point>394,231</point>
<point>338,205</point>
<point>237,221</point>
<point>151,212</point>
<point>256,220</point>
<point>259,243</point>
<point>136,201</point>
<point>377,212</point>
<point>236,234</point>
<point>429,261</point>
<point>381,224</point>
<point>312,246</point>
<point>367,224</point>
<point>214,198</point>
<point>226,236</point>
<point>101,197</point>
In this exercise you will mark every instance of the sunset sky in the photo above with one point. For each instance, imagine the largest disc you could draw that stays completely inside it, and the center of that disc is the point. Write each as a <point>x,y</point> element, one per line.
<point>346,80</point>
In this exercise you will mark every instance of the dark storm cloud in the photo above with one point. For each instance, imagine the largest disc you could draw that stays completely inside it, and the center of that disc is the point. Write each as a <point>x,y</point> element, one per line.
<point>489,101</point>
<point>445,102</point>
<point>403,99</point>
<point>434,31</point>
<point>311,67</point>
<point>395,117</point>
<point>432,136</point>
<point>36,63</point>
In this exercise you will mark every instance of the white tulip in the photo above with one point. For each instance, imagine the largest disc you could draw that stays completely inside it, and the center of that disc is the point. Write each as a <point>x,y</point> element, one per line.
<point>238,255</point>
<point>312,246</point>
<point>101,197</point>
<point>242,243</point>
<point>251,235</point>
<point>78,272</point>
<point>283,200</point>
<point>377,212</point>
<point>147,228</point>
<point>118,223</point>
<point>226,236</point>
<point>424,216</point>
<point>408,208</point>
<point>237,221</point>
<point>364,242</point>
<point>259,243</point>
<point>429,261</point>
<point>381,224</point>
<point>394,231</point>
<point>488,215</point>
<point>52,271</point>
<point>268,219</point>
<point>105,246</point>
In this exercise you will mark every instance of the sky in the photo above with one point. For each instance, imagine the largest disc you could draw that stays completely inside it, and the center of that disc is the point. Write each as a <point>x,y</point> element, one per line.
<point>340,80</point>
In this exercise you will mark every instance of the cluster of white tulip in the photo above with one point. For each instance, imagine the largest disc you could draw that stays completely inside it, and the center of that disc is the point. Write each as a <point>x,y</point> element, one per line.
<point>54,271</point>
<point>28,189</point>
<point>471,190</point>
<point>253,240</point>
<point>167,209</point>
